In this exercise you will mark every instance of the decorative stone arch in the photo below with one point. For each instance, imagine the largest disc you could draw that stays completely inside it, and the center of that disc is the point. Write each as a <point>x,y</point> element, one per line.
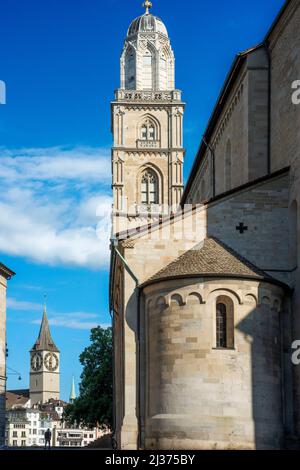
<point>148,69</point>
<point>160,301</point>
<point>176,299</point>
<point>118,172</point>
<point>128,74</point>
<point>160,182</point>
<point>148,120</point>
<point>265,300</point>
<point>277,305</point>
<point>166,68</point>
<point>149,304</point>
<point>224,291</point>
<point>250,299</point>
<point>194,298</point>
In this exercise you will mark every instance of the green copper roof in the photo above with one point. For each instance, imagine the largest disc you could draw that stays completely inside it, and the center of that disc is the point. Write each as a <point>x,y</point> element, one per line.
<point>73,392</point>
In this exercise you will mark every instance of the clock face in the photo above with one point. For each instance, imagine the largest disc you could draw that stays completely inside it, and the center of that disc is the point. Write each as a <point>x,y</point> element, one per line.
<point>51,362</point>
<point>36,361</point>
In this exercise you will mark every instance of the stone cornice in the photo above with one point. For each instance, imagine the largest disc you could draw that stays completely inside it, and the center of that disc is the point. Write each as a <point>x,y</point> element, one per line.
<point>148,96</point>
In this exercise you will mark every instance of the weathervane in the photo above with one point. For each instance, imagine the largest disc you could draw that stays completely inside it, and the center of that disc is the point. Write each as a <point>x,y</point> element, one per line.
<point>45,300</point>
<point>147,4</point>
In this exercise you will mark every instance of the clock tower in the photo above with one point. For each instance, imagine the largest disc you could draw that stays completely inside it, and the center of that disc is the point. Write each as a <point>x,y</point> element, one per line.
<point>44,366</point>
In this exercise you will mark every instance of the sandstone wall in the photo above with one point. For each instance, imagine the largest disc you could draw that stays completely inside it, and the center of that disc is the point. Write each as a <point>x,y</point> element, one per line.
<point>201,397</point>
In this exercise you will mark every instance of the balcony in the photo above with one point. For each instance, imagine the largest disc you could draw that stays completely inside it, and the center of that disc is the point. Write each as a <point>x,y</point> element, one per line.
<point>148,144</point>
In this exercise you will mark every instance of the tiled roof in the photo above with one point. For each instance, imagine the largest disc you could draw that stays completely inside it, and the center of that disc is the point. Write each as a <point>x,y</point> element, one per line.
<point>15,398</point>
<point>210,258</point>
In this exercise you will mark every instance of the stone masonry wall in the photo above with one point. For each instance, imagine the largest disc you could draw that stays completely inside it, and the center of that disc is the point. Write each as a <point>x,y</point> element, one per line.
<point>200,397</point>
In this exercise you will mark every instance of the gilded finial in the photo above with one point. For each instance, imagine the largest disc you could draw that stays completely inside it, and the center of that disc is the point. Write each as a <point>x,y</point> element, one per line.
<point>147,4</point>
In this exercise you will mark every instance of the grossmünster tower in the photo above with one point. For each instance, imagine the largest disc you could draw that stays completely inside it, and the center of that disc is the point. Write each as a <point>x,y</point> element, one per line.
<point>147,121</point>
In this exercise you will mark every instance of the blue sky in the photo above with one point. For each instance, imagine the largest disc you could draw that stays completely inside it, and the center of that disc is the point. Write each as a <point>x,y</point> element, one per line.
<point>60,62</point>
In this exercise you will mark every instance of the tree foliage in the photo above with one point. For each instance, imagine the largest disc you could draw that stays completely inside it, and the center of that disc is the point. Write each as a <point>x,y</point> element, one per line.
<point>94,404</point>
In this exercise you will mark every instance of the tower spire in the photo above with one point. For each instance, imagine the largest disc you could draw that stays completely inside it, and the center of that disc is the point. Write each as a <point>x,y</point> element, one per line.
<point>73,392</point>
<point>147,4</point>
<point>45,341</point>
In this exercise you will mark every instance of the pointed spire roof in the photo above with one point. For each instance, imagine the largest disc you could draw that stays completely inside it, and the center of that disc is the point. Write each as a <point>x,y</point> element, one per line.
<point>45,341</point>
<point>73,392</point>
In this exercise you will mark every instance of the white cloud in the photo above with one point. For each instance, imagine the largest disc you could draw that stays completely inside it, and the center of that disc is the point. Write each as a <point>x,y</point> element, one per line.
<point>22,305</point>
<point>55,163</point>
<point>71,320</point>
<point>74,321</point>
<point>55,205</point>
<point>72,324</point>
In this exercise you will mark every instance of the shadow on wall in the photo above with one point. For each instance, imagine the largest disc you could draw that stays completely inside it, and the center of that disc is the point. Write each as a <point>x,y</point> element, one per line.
<point>270,370</point>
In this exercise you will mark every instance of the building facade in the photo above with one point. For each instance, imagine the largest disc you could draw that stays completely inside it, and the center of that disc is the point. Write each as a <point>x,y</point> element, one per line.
<point>68,437</point>
<point>30,412</point>
<point>205,302</point>
<point>5,275</point>
<point>26,427</point>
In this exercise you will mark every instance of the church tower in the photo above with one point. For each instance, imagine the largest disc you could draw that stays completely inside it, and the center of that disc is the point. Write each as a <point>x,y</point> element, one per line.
<point>44,366</point>
<point>147,124</point>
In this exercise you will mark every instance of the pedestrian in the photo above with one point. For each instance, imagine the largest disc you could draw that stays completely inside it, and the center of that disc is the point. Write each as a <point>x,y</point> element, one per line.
<point>48,439</point>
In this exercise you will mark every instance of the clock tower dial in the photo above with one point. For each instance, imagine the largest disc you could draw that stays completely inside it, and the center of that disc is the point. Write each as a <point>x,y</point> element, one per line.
<point>51,362</point>
<point>36,361</point>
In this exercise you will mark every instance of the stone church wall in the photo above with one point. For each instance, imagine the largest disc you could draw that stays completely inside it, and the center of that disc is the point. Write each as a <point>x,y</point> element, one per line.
<point>263,211</point>
<point>201,397</point>
<point>285,145</point>
<point>240,138</point>
<point>284,46</point>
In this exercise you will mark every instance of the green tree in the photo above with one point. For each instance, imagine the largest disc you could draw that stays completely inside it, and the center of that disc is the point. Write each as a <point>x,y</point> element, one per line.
<point>94,403</point>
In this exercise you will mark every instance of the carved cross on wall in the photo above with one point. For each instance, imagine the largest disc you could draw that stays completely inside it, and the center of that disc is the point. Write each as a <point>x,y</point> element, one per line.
<point>242,228</point>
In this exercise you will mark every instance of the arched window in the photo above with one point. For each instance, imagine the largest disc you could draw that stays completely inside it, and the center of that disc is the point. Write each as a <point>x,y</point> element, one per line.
<point>148,130</point>
<point>224,323</point>
<point>148,70</point>
<point>130,74</point>
<point>149,188</point>
<point>228,164</point>
<point>221,326</point>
